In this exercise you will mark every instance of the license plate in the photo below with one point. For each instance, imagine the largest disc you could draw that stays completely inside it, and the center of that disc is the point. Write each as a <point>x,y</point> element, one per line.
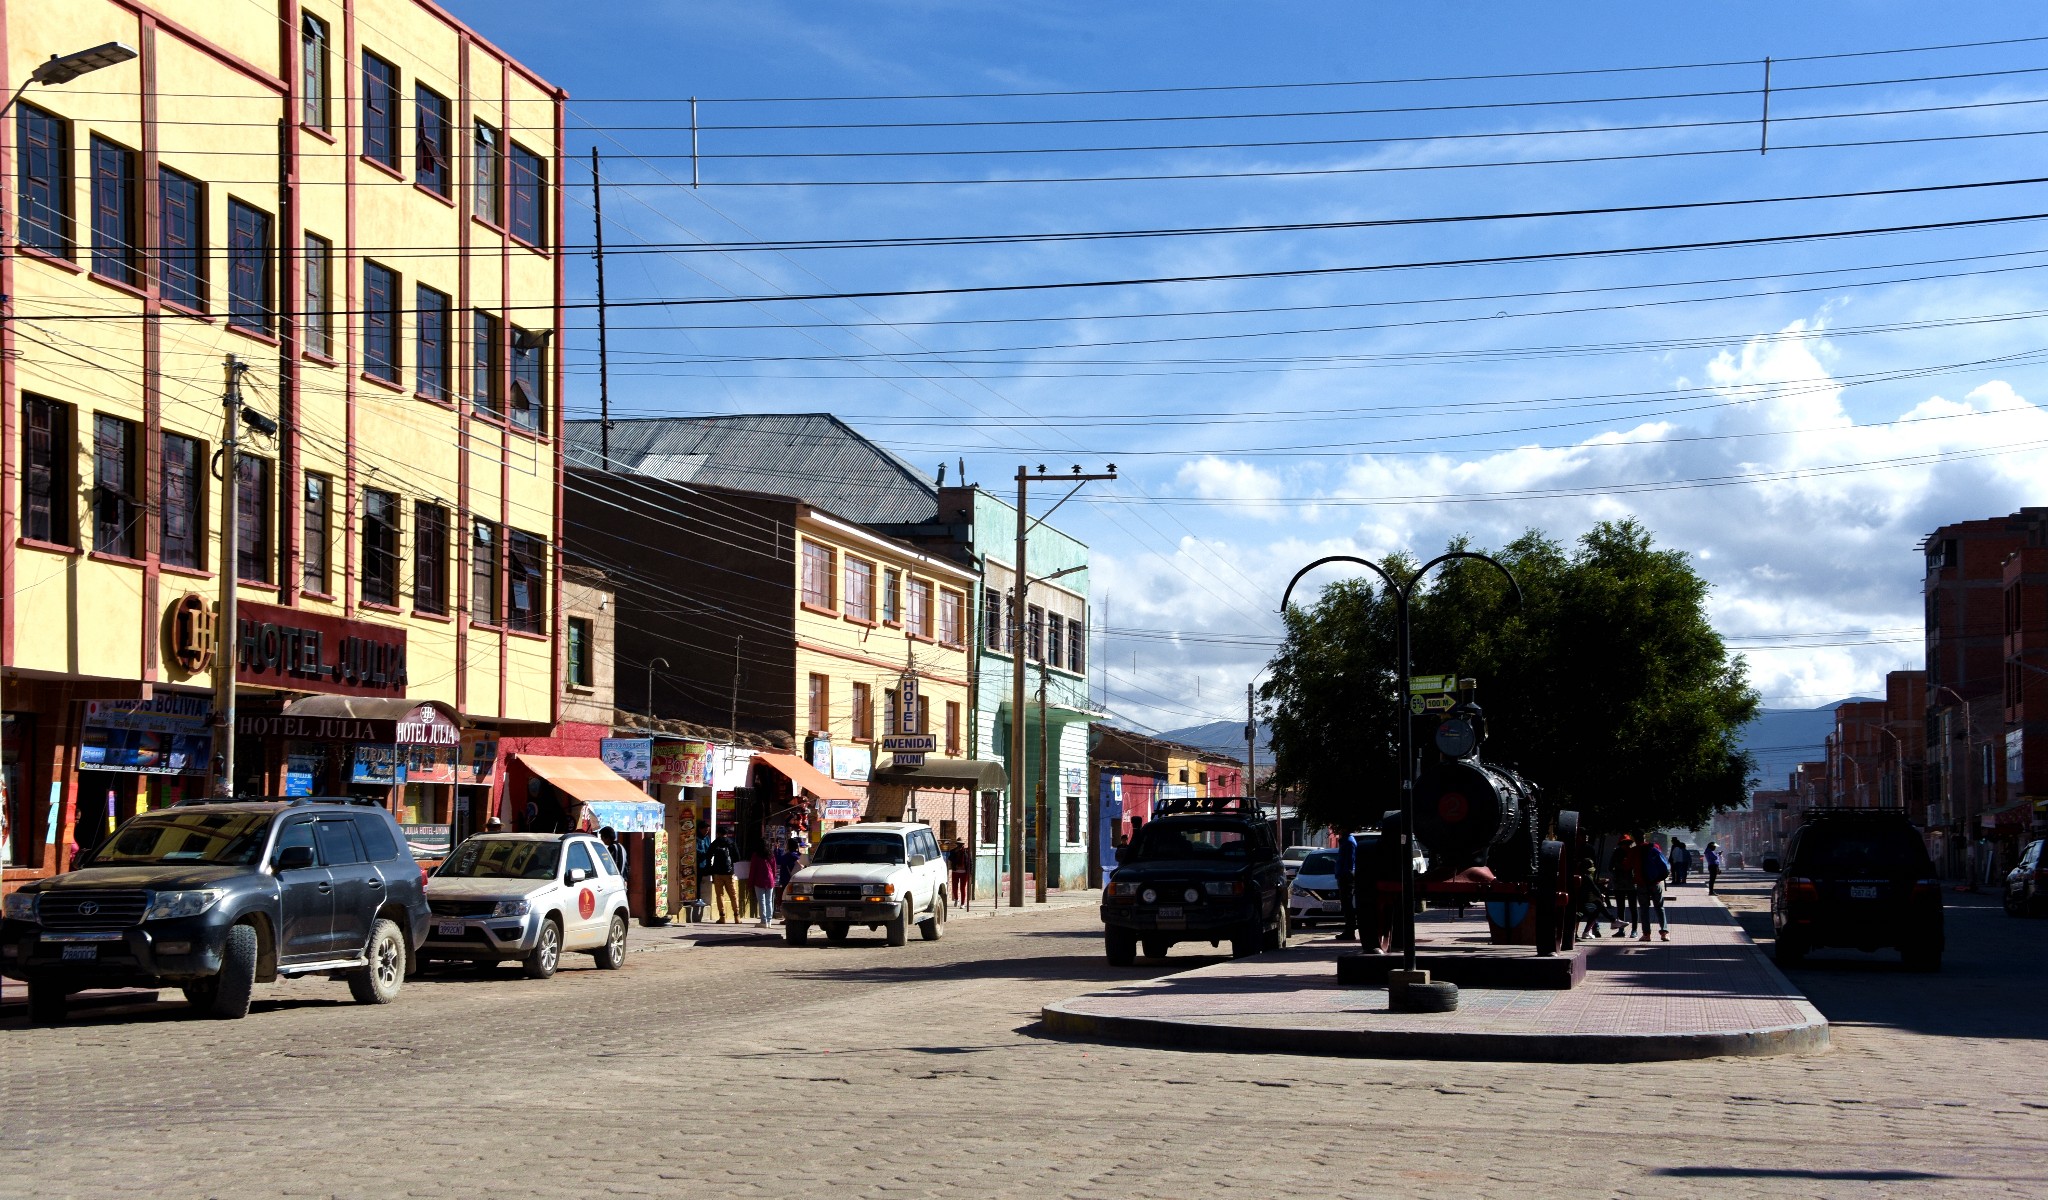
<point>449,928</point>
<point>1867,891</point>
<point>78,953</point>
<point>1170,912</point>
<point>835,912</point>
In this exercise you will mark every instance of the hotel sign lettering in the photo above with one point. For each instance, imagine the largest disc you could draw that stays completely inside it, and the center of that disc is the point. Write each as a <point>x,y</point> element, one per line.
<point>312,652</point>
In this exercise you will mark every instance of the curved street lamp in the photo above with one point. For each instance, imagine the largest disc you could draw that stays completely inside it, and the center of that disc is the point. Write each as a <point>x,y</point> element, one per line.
<point>1403,594</point>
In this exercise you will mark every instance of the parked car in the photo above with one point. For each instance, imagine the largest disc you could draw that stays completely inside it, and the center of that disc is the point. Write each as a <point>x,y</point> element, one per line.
<point>1199,871</point>
<point>1291,858</point>
<point>213,897</point>
<point>885,875</point>
<point>1313,896</point>
<point>1858,878</point>
<point>530,898</point>
<point>2026,885</point>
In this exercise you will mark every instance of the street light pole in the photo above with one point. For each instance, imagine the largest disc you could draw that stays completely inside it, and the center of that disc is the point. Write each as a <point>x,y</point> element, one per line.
<point>650,688</point>
<point>1403,594</point>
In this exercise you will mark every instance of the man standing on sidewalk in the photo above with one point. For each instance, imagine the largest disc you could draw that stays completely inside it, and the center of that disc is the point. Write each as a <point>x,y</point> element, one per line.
<point>1651,870</point>
<point>1621,874</point>
<point>1681,862</point>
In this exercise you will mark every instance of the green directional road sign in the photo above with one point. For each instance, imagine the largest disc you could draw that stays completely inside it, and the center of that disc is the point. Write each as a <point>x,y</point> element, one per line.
<point>1423,685</point>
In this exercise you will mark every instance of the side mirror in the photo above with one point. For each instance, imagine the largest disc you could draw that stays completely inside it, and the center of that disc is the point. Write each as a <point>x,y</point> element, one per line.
<point>918,860</point>
<point>576,875</point>
<point>295,858</point>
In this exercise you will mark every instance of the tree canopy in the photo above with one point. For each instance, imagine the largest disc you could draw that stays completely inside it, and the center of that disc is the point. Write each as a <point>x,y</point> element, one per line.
<point>1605,686</point>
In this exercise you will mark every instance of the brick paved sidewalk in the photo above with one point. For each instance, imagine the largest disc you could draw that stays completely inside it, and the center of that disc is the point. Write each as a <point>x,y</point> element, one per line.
<point>712,932</point>
<point>1707,992</point>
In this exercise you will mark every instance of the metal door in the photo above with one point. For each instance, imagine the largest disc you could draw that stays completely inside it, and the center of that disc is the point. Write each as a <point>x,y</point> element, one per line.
<point>305,899</point>
<point>358,889</point>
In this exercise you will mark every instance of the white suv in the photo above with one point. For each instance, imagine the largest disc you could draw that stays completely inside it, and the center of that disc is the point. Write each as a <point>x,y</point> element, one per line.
<point>884,875</point>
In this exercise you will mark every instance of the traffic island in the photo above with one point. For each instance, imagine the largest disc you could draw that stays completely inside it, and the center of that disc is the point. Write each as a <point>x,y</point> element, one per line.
<point>1708,992</point>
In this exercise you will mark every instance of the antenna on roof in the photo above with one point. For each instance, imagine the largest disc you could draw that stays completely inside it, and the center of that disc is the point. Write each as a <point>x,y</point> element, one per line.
<point>942,474</point>
<point>963,472</point>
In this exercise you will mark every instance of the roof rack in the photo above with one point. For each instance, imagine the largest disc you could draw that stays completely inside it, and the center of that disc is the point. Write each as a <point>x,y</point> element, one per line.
<point>293,801</point>
<point>1233,805</point>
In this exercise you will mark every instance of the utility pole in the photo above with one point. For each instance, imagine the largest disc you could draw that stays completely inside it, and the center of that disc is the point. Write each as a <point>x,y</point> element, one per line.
<point>1044,812</point>
<point>604,374</point>
<point>1251,767</point>
<point>1022,590</point>
<point>227,622</point>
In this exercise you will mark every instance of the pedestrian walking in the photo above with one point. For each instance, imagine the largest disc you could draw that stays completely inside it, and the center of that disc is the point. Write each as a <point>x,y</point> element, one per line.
<point>761,874</point>
<point>1621,880</point>
<point>610,838</point>
<point>1347,875</point>
<point>1713,860</point>
<point>718,858</point>
<point>1651,869</point>
<point>1591,901</point>
<point>788,861</point>
<point>958,865</point>
<point>1681,862</point>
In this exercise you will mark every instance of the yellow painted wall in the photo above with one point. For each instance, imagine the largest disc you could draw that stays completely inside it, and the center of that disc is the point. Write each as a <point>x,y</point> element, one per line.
<point>78,614</point>
<point>847,651</point>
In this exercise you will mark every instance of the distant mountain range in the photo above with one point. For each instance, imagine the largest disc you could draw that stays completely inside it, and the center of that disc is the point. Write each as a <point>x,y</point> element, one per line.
<point>1780,738</point>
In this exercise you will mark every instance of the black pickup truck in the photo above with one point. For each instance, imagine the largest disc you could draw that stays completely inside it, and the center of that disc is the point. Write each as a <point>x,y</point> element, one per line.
<point>215,896</point>
<point>1202,870</point>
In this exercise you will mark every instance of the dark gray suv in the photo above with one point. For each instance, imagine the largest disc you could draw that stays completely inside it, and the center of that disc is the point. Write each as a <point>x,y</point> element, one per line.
<point>215,896</point>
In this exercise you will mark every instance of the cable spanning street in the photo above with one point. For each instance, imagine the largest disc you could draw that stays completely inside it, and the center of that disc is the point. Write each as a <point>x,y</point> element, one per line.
<point>751,1068</point>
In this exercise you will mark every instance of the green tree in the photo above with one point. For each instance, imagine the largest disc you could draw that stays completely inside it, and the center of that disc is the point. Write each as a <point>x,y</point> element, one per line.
<point>1605,685</point>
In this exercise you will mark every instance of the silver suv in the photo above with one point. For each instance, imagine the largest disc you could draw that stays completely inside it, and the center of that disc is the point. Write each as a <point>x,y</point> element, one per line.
<point>528,897</point>
<point>884,875</point>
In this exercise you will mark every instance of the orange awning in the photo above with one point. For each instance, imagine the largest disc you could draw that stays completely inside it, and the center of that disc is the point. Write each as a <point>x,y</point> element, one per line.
<point>806,777</point>
<point>586,779</point>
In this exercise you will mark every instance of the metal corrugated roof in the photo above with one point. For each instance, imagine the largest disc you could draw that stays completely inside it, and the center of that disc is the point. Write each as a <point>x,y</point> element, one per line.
<point>814,457</point>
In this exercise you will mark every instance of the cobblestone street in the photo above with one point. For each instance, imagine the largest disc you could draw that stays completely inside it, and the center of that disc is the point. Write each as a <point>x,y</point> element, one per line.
<point>750,1068</point>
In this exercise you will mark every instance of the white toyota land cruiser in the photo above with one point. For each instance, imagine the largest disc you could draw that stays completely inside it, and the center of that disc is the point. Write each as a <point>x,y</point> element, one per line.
<point>883,875</point>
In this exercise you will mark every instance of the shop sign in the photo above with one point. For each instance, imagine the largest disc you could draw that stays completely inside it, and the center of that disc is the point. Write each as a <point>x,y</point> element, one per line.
<point>842,810</point>
<point>630,758</point>
<point>427,726</point>
<point>300,770</point>
<point>306,651</point>
<point>906,705</point>
<point>819,751</point>
<point>166,735</point>
<point>376,764</point>
<point>428,841</point>
<point>852,763</point>
<point>479,759</point>
<point>684,764</point>
<point>430,764</point>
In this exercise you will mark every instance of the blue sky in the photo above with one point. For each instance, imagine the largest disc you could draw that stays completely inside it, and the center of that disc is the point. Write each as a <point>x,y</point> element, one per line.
<point>1795,414</point>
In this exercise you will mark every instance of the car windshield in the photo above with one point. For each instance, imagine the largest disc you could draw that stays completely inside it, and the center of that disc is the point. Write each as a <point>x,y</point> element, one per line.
<point>188,836</point>
<point>1169,841</point>
<point>859,848</point>
<point>1321,863</point>
<point>1840,849</point>
<point>502,858</point>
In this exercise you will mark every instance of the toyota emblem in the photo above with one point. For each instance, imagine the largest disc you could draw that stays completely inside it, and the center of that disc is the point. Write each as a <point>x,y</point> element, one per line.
<point>89,908</point>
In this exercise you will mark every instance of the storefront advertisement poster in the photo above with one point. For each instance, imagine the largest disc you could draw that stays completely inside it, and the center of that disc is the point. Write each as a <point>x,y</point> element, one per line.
<point>377,764</point>
<point>430,764</point>
<point>300,770</point>
<point>681,763</point>
<point>631,758</point>
<point>167,735</point>
<point>427,841</point>
<point>479,759</point>
<point>852,763</point>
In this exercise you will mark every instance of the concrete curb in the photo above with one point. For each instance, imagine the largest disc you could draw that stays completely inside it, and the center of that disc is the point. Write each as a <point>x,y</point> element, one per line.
<point>1063,1021</point>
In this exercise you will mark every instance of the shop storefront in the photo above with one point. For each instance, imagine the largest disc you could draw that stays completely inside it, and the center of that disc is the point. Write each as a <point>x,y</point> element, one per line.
<point>407,755</point>
<point>565,794</point>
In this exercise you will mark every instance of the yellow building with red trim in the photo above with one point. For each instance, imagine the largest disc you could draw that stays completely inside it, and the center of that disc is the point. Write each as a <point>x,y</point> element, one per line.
<point>357,203</point>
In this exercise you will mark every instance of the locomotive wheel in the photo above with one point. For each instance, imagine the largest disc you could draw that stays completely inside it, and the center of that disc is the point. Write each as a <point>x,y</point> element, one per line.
<point>1568,833</point>
<point>1544,896</point>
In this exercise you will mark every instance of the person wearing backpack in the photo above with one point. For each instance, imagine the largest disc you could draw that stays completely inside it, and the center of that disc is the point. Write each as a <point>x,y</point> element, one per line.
<point>1652,869</point>
<point>1621,881</point>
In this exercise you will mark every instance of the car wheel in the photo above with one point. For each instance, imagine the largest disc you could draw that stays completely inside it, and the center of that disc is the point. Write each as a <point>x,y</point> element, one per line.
<point>378,981</point>
<point>1120,946</point>
<point>48,1002</point>
<point>836,932</point>
<point>2013,906</point>
<point>237,979</point>
<point>612,955</point>
<point>1787,952</point>
<point>1156,947</point>
<point>1277,940</point>
<point>547,952</point>
<point>935,928</point>
<point>899,929</point>
<point>796,934</point>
